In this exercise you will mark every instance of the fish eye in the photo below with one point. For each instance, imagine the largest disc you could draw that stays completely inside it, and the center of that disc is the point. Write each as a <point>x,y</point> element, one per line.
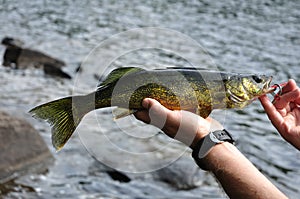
<point>257,79</point>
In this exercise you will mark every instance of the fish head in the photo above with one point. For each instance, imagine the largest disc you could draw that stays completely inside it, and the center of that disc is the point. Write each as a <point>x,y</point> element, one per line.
<point>242,89</point>
<point>257,85</point>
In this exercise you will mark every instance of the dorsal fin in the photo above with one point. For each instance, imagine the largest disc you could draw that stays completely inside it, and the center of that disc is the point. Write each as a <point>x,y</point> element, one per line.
<point>187,68</point>
<point>116,74</point>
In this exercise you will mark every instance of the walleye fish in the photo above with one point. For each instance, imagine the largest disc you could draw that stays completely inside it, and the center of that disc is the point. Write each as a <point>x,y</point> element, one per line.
<point>199,91</point>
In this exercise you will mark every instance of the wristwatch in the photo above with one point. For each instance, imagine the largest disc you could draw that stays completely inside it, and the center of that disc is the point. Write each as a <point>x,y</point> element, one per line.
<point>204,145</point>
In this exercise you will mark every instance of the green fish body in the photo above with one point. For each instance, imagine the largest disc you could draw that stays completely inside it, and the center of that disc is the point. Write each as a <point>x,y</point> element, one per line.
<point>199,91</point>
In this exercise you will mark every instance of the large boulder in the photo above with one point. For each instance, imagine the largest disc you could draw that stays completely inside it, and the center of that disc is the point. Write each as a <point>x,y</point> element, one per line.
<point>21,146</point>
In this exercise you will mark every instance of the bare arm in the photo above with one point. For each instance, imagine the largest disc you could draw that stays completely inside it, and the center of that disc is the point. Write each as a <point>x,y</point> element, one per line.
<point>237,175</point>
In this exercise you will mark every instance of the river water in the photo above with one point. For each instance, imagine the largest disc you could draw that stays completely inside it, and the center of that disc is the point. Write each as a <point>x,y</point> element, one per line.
<point>238,36</point>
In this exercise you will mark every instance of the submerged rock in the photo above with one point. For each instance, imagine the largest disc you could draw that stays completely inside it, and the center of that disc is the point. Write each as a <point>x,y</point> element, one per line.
<point>16,56</point>
<point>182,174</point>
<point>21,146</point>
<point>51,69</point>
<point>114,174</point>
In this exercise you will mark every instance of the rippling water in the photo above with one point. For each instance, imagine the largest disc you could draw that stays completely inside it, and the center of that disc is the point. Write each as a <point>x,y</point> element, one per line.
<point>241,36</point>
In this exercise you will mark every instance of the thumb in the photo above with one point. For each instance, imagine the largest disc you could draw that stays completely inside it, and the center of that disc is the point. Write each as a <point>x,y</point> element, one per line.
<point>157,112</point>
<point>149,103</point>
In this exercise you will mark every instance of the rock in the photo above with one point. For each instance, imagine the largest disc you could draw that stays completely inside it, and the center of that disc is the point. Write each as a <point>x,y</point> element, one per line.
<point>15,56</point>
<point>33,58</point>
<point>9,41</point>
<point>119,176</point>
<point>52,70</point>
<point>182,174</point>
<point>114,174</point>
<point>19,57</point>
<point>21,146</point>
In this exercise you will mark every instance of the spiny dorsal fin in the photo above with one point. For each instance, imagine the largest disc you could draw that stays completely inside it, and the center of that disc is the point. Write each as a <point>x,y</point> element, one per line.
<point>116,74</point>
<point>187,68</point>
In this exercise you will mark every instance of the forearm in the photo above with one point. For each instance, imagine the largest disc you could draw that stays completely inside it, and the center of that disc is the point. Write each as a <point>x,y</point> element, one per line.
<point>237,175</point>
<point>239,178</point>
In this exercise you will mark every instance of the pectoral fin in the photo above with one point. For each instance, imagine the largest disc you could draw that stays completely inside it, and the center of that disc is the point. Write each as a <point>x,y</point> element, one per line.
<point>203,112</point>
<point>122,112</point>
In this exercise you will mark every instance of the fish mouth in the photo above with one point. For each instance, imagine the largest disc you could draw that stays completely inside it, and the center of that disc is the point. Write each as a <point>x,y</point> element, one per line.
<point>267,87</point>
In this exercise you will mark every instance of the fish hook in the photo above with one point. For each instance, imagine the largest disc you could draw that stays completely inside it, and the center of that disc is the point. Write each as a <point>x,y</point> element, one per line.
<point>276,93</point>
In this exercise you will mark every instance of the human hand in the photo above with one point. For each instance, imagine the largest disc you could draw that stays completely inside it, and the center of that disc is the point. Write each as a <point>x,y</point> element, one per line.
<point>184,126</point>
<point>285,112</point>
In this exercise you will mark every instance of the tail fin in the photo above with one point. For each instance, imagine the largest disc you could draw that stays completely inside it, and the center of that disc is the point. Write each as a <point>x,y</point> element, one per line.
<point>63,116</point>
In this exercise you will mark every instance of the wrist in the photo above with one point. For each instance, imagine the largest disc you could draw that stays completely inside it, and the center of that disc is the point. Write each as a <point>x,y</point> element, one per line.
<point>205,145</point>
<point>197,138</point>
<point>204,130</point>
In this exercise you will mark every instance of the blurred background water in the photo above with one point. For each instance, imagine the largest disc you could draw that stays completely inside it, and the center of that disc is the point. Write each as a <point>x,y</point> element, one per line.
<point>240,36</point>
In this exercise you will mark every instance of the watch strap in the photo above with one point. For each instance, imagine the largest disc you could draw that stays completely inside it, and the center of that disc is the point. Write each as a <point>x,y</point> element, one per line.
<point>204,145</point>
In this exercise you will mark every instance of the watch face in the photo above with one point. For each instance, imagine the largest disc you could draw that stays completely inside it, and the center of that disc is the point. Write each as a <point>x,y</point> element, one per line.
<point>214,138</point>
<point>205,144</point>
<point>222,135</point>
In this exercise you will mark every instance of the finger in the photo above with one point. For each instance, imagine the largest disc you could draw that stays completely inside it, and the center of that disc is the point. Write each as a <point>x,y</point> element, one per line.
<point>297,100</point>
<point>289,86</point>
<point>143,116</point>
<point>157,112</point>
<point>295,106</point>
<point>275,117</point>
<point>154,106</point>
<point>284,100</point>
<point>147,103</point>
